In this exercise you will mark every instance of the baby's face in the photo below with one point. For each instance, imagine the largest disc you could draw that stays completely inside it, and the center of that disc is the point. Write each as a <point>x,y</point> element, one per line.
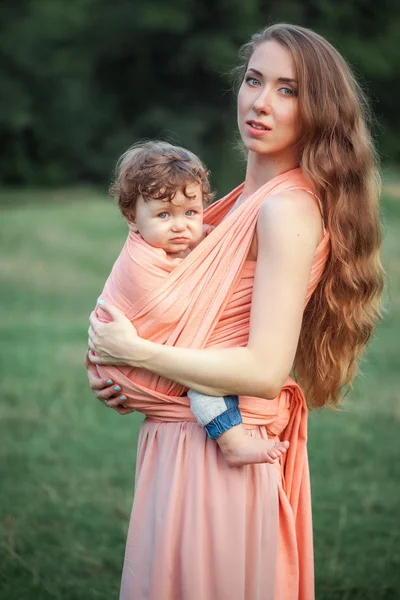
<point>173,226</point>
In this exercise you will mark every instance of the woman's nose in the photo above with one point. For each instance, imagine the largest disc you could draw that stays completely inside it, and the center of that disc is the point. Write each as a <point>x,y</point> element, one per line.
<point>262,104</point>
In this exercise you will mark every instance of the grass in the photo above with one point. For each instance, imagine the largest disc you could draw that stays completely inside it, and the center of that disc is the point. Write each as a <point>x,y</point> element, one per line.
<point>67,463</point>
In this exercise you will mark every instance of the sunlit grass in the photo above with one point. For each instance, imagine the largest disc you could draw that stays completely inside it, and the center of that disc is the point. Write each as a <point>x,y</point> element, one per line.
<point>67,463</point>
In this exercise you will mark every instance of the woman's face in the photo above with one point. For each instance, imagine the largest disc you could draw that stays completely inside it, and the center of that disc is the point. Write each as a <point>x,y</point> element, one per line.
<point>268,103</point>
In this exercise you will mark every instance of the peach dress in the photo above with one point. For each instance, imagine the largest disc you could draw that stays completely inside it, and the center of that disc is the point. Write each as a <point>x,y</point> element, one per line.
<point>200,530</point>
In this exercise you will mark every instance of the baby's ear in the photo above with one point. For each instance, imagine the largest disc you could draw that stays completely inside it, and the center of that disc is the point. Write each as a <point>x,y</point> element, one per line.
<point>132,225</point>
<point>131,221</point>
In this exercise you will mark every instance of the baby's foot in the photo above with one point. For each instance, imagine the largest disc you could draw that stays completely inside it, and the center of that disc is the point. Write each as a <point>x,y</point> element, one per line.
<point>246,450</point>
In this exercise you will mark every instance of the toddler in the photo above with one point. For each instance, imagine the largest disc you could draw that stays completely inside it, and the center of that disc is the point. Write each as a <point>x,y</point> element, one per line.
<point>161,190</point>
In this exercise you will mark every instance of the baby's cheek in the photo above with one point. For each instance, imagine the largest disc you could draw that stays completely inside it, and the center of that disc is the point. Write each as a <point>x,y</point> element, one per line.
<point>199,231</point>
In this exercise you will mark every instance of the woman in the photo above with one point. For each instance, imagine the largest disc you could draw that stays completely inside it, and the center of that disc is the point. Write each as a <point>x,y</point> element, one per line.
<point>312,275</point>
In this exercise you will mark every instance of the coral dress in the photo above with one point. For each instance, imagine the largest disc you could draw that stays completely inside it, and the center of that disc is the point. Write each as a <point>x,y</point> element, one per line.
<point>200,530</point>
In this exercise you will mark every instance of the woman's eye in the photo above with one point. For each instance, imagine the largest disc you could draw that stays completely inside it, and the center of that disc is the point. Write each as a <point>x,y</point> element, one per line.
<point>163,215</point>
<point>252,81</point>
<point>192,212</point>
<point>288,91</point>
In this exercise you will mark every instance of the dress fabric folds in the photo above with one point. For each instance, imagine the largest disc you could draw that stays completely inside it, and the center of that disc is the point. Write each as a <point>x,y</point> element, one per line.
<point>200,530</point>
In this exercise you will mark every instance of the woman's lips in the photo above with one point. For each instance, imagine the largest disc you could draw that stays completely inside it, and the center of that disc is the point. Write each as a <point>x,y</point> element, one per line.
<point>255,131</point>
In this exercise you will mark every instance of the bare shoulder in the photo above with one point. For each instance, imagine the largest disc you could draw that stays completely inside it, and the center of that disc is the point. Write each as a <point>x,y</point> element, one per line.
<point>291,215</point>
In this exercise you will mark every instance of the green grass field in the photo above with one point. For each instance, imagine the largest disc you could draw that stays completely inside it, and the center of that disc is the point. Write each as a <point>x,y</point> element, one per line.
<point>67,462</point>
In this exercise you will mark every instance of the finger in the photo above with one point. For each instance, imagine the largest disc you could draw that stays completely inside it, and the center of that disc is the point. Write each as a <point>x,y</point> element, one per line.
<point>94,358</point>
<point>117,401</point>
<point>92,369</point>
<point>106,360</point>
<point>101,360</point>
<point>124,411</point>
<point>91,333</point>
<point>93,321</point>
<point>108,392</point>
<point>87,362</point>
<point>97,383</point>
<point>114,313</point>
<point>91,346</point>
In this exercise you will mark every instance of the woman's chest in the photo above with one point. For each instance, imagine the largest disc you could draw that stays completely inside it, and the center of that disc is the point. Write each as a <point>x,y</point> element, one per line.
<point>233,325</point>
<point>252,255</point>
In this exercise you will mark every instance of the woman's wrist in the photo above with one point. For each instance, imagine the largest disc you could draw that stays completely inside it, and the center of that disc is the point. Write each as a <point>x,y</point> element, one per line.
<point>142,354</point>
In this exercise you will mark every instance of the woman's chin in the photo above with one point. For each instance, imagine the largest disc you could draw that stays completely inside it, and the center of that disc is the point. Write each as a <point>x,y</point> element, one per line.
<point>255,145</point>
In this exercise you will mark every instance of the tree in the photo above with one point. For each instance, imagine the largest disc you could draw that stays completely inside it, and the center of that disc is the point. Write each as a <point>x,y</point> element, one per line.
<point>83,80</point>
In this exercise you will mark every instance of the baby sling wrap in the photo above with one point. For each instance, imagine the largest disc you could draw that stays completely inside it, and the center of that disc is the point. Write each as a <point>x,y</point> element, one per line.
<point>179,303</point>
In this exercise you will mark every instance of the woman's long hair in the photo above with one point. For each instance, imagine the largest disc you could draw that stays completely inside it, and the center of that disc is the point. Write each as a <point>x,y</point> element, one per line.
<point>337,157</point>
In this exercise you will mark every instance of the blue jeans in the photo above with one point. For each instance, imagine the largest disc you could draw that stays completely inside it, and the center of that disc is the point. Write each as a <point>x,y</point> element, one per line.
<point>215,414</point>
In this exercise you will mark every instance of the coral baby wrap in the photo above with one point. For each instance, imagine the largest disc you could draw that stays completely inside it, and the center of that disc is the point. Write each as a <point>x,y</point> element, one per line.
<point>200,530</point>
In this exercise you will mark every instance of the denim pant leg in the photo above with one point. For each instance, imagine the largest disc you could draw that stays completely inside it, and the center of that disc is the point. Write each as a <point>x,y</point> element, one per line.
<point>225,421</point>
<point>216,414</point>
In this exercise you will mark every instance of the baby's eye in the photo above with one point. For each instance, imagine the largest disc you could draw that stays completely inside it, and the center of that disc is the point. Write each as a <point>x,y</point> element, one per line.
<point>163,215</point>
<point>192,212</point>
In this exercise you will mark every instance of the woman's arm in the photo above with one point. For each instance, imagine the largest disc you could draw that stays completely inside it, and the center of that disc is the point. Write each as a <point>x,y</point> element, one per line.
<point>288,231</point>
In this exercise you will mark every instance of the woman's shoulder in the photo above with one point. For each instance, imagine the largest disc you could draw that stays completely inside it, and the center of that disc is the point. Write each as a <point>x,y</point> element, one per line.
<point>292,212</point>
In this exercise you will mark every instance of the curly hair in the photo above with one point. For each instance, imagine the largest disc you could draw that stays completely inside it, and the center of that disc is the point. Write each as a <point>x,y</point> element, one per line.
<point>157,170</point>
<point>337,157</point>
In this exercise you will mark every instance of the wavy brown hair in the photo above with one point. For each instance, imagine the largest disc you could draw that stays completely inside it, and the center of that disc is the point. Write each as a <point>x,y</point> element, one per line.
<point>337,157</point>
<point>157,170</point>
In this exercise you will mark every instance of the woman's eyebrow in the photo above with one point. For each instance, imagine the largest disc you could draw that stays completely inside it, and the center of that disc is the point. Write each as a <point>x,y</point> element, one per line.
<point>286,80</point>
<point>256,72</point>
<point>280,79</point>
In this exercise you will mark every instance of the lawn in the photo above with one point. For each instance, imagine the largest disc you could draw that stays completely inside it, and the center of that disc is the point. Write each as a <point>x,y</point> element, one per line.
<point>67,463</point>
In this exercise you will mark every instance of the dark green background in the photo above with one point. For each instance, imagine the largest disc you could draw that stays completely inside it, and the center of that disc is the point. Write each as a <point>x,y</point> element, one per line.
<point>81,80</point>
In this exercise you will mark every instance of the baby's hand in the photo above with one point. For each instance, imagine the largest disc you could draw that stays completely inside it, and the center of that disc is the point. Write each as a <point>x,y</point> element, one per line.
<point>207,229</point>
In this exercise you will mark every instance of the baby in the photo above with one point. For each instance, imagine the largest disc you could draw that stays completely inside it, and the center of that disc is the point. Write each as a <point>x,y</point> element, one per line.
<point>161,190</point>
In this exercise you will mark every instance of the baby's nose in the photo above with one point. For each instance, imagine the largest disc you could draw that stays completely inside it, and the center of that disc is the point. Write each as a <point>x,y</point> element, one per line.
<point>179,224</point>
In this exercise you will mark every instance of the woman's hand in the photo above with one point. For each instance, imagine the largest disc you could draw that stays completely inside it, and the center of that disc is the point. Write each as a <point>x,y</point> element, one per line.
<point>114,343</point>
<point>105,392</point>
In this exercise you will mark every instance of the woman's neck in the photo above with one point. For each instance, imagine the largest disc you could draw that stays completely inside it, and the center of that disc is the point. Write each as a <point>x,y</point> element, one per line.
<point>261,169</point>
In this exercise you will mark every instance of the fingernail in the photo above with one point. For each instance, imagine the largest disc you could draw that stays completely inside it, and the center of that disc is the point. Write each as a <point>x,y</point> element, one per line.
<point>100,302</point>
<point>117,388</point>
<point>109,382</point>
<point>122,398</point>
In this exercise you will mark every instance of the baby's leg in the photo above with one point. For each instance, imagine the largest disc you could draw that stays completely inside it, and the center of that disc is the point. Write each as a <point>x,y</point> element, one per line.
<point>221,418</point>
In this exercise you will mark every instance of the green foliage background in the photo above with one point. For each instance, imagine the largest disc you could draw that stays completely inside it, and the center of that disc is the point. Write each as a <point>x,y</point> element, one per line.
<point>81,80</point>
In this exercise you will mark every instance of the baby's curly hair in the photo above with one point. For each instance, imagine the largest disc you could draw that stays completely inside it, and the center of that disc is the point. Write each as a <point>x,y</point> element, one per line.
<point>157,170</point>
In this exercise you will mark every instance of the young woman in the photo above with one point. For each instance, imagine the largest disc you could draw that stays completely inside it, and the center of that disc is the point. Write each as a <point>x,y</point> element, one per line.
<point>305,298</point>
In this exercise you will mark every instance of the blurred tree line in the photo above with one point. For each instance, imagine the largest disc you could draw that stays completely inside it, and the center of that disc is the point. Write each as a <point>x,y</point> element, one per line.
<point>84,79</point>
